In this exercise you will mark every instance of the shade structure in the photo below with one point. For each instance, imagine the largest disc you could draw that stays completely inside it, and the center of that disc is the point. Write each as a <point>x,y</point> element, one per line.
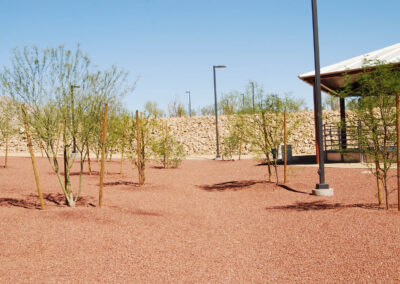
<point>333,76</point>
<point>333,79</point>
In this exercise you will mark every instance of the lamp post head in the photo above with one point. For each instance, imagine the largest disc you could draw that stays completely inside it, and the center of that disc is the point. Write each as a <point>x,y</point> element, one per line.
<point>219,66</point>
<point>75,86</point>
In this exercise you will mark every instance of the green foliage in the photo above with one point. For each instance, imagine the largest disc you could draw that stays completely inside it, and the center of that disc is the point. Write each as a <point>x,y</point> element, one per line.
<point>330,102</point>
<point>170,153</point>
<point>208,110</point>
<point>229,103</point>
<point>59,91</point>
<point>375,116</point>
<point>152,109</point>
<point>8,125</point>
<point>261,127</point>
<point>176,108</point>
<point>230,146</point>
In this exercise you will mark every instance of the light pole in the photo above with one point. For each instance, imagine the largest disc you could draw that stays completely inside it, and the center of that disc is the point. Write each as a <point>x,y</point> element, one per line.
<point>252,86</point>
<point>73,117</point>
<point>242,101</point>
<point>216,108</point>
<point>321,188</point>
<point>190,104</point>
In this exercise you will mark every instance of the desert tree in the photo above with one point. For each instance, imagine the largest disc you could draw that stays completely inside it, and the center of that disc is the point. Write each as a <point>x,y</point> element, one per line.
<point>176,108</point>
<point>374,121</point>
<point>264,129</point>
<point>233,143</point>
<point>330,102</point>
<point>120,133</point>
<point>41,79</point>
<point>44,81</point>
<point>140,137</point>
<point>229,104</point>
<point>207,110</point>
<point>9,126</point>
<point>167,149</point>
<point>152,109</point>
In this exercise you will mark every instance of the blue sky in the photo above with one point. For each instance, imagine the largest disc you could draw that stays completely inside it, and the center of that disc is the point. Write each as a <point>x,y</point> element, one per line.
<point>173,44</point>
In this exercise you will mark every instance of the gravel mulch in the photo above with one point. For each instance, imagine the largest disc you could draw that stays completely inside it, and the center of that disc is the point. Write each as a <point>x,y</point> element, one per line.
<point>207,221</point>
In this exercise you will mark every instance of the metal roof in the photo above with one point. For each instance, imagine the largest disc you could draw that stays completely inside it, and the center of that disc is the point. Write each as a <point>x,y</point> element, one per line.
<point>332,78</point>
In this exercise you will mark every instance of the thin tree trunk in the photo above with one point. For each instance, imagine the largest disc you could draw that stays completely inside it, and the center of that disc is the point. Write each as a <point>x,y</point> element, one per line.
<point>276,168</point>
<point>386,191</point>
<point>122,160</point>
<point>88,157</point>
<point>82,162</point>
<point>269,168</point>
<point>67,183</point>
<point>41,149</point>
<point>68,192</point>
<point>110,155</point>
<point>58,139</point>
<point>378,182</point>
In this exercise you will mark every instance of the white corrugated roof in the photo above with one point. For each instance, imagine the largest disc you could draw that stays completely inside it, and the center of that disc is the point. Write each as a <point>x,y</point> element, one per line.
<point>390,54</point>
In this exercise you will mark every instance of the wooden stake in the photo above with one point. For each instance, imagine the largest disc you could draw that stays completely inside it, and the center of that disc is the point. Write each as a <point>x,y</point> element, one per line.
<point>103,153</point>
<point>398,150</point>
<point>166,145</point>
<point>5,158</point>
<point>28,137</point>
<point>138,146</point>
<point>143,169</point>
<point>284,147</point>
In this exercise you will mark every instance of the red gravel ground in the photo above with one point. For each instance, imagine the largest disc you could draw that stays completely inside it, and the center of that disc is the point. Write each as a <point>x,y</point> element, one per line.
<point>208,221</point>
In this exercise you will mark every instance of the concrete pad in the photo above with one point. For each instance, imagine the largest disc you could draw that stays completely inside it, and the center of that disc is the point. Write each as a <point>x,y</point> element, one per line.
<point>323,192</point>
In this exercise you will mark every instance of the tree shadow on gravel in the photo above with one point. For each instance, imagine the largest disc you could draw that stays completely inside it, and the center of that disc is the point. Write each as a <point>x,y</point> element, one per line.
<point>59,199</point>
<point>137,211</point>
<point>231,185</point>
<point>297,160</point>
<point>52,199</point>
<point>121,182</point>
<point>292,189</point>
<point>158,167</point>
<point>93,173</point>
<point>322,205</point>
<point>144,213</point>
<point>8,202</point>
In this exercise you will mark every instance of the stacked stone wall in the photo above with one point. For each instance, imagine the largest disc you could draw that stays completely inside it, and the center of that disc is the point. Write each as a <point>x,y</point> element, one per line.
<point>199,137</point>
